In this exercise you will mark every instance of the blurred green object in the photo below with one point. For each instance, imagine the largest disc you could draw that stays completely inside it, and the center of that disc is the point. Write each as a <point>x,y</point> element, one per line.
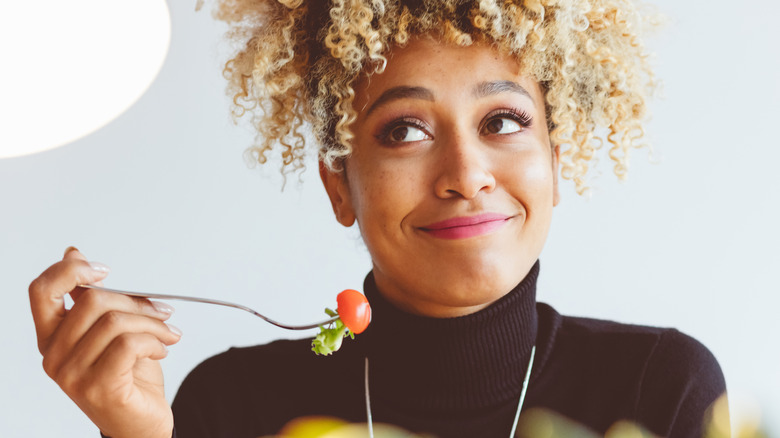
<point>542,423</point>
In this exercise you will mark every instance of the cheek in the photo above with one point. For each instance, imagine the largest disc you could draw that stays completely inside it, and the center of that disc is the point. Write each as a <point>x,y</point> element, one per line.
<point>539,176</point>
<point>529,177</point>
<point>385,195</point>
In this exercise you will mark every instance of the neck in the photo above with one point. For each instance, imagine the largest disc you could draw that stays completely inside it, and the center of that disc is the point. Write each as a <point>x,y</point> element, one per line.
<point>436,364</point>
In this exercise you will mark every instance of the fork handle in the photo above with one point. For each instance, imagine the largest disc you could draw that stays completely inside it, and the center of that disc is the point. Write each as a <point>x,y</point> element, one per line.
<point>208,301</point>
<point>166,297</point>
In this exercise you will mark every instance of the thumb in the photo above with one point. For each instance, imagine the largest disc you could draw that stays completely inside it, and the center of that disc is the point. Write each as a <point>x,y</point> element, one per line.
<point>72,253</point>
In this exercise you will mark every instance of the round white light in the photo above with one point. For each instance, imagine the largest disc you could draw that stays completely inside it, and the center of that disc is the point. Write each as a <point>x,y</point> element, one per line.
<point>70,67</point>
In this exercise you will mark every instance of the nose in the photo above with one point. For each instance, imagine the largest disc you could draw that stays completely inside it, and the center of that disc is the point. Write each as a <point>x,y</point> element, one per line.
<point>463,170</point>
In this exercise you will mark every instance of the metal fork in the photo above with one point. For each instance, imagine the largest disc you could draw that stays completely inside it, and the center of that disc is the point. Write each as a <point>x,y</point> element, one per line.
<point>210,301</point>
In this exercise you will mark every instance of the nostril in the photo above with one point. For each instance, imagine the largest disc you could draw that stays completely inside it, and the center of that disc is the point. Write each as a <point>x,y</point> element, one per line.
<point>463,170</point>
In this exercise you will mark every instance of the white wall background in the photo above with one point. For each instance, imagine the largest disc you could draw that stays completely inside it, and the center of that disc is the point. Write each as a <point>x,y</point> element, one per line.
<point>163,197</point>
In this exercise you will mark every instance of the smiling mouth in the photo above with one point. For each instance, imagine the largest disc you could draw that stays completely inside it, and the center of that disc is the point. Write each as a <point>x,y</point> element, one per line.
<point>466,227</point>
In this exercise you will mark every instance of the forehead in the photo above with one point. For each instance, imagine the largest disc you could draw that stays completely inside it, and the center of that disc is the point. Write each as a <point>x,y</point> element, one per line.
<point>444,68</point>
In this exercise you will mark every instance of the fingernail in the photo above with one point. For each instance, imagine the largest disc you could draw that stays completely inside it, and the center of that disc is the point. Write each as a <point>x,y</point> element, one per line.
<point>69,249</point>
<point>175,330</point>
<point>100,267</point>
<point>163,307</point>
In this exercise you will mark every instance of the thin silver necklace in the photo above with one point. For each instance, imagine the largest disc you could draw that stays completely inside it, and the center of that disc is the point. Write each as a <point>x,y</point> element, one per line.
<point>519,403</point>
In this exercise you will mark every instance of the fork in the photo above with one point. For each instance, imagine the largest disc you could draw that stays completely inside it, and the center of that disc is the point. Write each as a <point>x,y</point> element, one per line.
<point>210,301</point>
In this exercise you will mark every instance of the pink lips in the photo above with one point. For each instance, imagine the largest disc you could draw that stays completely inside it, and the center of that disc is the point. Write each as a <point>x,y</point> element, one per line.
<point>465,227</point>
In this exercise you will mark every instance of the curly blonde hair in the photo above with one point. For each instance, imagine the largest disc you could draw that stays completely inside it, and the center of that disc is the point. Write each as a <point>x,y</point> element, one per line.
<point>297,62</point>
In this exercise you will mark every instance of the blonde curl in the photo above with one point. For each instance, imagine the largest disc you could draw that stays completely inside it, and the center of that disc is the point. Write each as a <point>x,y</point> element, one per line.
<point>298,60</point>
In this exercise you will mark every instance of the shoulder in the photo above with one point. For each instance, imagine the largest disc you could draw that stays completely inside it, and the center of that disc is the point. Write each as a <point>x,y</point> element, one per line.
<point>223,394</point>
<point>659,377</point>
<point>681,381</point>
<point>238,361</point>
<point>221,390</point>
<point>282,362</point>
<point>654,347</point>
<point>666,351</point>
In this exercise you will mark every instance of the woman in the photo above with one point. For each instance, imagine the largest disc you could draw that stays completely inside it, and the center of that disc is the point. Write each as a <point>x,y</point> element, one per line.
<point>443,127</point>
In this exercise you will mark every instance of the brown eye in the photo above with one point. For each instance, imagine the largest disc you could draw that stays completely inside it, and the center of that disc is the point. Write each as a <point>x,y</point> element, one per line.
<point>502,125</point>
<point>399,134</point>
<point>403,134</point>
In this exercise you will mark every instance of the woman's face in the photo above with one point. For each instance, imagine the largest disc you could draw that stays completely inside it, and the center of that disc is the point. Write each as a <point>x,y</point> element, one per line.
<point>452,179</point>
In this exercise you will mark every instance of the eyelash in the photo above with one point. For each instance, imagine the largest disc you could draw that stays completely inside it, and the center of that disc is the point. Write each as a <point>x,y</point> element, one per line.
<point>521,117</point>
<point>384,134</point>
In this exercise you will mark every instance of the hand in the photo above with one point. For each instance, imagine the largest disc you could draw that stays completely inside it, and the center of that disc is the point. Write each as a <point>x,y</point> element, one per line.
<point>104,351</point>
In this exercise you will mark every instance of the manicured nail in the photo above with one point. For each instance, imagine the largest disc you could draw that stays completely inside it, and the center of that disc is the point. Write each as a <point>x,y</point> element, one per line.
<point>175,330</point>
<point>100,267</point>
<point>163,307</point>
<point>69,249</point>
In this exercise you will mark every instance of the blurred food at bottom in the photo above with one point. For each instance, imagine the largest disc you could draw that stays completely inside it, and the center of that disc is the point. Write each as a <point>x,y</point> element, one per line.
<point>330,427</point>
<point>534,423</point>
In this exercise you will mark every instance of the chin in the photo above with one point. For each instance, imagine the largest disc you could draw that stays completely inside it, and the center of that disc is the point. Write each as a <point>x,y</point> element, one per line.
<point>476,287</point>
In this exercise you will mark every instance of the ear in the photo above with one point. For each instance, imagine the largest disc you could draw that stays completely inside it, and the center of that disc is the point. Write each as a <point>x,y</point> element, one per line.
<point>338,191</point>
<point>556,170</point>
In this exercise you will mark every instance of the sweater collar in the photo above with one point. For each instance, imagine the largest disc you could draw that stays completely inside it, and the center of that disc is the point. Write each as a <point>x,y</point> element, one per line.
<point>450,364</point>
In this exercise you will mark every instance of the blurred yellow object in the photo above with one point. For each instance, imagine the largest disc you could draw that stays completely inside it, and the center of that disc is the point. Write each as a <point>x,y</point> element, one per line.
<point>543,423</point>
<point>717,420</point>
<point>330,427</point>
<point>311,427</point>
<point>718,423</point>
<point>627,429</point>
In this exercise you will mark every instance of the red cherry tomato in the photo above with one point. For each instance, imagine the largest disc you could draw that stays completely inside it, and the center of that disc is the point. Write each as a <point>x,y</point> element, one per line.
<point>353,310</point>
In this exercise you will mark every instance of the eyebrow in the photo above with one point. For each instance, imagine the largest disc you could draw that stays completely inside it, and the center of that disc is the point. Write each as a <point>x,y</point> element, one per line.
<point>402,92</point>
<point>483,89</point>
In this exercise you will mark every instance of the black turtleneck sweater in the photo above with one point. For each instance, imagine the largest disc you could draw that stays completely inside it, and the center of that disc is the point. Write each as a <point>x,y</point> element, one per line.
<point>460,377</point>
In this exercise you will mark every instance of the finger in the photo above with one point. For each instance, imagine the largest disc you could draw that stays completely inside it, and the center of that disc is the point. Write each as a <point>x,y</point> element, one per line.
<point>47,292</point>
<point>124,352</point>
<point>109,327</point>
<point>114,368</point>
<point>90,307</point>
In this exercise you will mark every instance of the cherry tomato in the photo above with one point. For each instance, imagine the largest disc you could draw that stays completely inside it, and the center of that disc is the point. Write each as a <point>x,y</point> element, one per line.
<point>353,310</point>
